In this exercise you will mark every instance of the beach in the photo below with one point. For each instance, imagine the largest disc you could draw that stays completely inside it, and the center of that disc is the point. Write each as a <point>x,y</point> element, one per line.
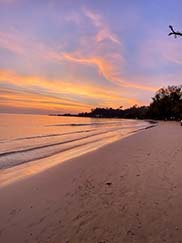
<point>127,191</point>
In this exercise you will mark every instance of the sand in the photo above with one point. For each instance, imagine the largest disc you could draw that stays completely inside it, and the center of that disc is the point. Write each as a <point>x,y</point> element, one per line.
<point>128,191</point>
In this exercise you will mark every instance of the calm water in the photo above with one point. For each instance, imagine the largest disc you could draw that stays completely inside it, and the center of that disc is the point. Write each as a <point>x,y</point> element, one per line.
<point>27,138</point>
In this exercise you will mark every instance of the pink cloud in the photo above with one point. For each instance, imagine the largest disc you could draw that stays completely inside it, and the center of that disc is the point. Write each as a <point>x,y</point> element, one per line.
<point>160,51</point>
<point>10,42</point>
<point>103,31</point>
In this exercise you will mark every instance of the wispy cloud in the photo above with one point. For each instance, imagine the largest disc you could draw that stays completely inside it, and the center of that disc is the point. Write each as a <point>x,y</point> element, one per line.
<point>54,93</point>
<point>90,70</point>
<point>103,31</point>
<point>104,57</point>
<point>104,67</point>
<point>10,42</point>
<point>109,70</point>
<point>160,51</point>
<point>107,57</point>
<point>16,99</point>
<point>22,45</point>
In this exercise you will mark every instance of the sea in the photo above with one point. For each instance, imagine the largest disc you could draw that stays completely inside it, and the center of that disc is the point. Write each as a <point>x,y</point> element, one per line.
<point>27,138</point>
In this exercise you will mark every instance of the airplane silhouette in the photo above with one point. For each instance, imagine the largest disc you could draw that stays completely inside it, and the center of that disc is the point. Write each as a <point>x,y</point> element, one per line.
<point>175,33</point>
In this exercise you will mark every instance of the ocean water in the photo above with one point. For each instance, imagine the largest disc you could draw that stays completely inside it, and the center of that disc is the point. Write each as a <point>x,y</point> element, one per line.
<point>27,138</point>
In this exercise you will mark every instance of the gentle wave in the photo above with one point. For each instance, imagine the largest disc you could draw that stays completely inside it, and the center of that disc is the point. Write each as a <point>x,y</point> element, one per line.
<point>15,158</point>
<point>18,161</point>
<point>54,144</point>
<point>85,124</point>
<point>45,136</point>
<point>52,135</point>
<point>26,139</point>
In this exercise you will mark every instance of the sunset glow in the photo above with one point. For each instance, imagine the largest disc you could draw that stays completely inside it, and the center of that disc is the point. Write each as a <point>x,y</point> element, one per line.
<point>72,56</point>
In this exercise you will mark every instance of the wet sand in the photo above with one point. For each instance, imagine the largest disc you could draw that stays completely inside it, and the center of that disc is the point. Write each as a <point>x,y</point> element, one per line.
<point>128,191</point>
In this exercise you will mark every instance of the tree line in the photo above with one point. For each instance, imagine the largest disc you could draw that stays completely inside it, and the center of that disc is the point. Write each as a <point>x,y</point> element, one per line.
<point>166,105</point>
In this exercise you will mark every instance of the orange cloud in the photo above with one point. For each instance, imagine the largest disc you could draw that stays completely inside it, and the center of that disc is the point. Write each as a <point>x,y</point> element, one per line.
<point>136,86</point>
<point>105,68</point>
<point>93,51</point>
<point>23,46</point>
<point>108,64</point>
<point>54,86</point>
<point>85,96</point>
<point>52,103</point>
<point>109,71</point>
<point>38,101</point>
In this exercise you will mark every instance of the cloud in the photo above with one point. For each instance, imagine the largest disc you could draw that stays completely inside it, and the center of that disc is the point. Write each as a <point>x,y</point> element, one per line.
<point>27,100</point>
<point>161,51</point>
<point>103,31</point>
<point>22,99</point>
<point>10,42</point>
<point>26,46</point>
<point>104,67</point>
<point>104,34</point>
<point>99,49</point>
<point>109,70</point>
<point>31,91</point>
<point>108,58</point>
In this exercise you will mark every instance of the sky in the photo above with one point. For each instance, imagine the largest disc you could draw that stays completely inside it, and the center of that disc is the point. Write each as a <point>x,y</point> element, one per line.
<point>69,56</point>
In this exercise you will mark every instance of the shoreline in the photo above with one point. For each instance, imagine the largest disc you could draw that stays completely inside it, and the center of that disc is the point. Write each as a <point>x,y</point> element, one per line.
<point>32,167</point>
<point>128,191</point>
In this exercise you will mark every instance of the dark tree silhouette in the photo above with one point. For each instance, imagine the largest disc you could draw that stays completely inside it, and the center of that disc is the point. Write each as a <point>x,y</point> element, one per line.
<point>175,33</point>
<point>167,104</point>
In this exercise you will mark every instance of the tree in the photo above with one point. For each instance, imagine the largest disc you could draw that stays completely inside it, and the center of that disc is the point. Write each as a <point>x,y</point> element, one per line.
<point>167,103</point>
<point>175,33</point>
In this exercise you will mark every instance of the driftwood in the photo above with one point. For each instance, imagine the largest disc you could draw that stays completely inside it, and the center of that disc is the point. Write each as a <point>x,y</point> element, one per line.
<point>175,33</point>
